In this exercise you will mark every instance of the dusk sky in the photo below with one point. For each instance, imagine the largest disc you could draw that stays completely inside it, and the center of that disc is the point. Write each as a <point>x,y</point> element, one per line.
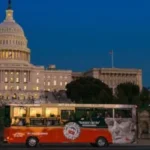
<point>78,34</point>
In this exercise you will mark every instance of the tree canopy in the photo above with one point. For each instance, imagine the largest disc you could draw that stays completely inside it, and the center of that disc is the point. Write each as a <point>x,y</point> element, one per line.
<point>144,97</point>
<point>89,90</point>
<point>128,93</point>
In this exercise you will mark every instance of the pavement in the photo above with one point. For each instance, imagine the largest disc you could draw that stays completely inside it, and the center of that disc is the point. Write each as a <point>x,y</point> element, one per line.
<point>142,144</point>
<point>74,147</point>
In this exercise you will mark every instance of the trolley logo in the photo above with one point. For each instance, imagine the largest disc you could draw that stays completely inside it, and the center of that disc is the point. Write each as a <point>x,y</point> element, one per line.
<point>18,135</point>
<point>71,131</point>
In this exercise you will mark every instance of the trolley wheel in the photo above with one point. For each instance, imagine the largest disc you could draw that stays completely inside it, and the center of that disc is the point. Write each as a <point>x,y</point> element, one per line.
<point>101,142</point>
<point>32,142</point>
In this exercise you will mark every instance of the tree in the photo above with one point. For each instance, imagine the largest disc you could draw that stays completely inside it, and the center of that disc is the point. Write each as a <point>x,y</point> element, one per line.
<point>89,90</point>
<point>128,93</point>
<point>145,97</point>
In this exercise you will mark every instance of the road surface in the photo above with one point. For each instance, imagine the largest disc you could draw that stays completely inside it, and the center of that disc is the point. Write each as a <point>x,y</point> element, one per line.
<point>75,147</point>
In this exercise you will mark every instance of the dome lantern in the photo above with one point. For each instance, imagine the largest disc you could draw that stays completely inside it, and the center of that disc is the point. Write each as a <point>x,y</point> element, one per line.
<point>9,12</point>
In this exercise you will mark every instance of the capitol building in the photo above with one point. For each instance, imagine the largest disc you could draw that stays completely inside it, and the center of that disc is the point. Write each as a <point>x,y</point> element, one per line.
<point>19,79</point>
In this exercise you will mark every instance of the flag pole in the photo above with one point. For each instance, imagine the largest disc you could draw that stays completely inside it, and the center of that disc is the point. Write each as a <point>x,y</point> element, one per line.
<point>112,59</point>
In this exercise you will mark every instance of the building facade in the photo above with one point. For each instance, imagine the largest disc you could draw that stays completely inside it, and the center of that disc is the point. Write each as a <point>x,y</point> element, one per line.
<point>19,79</point>
<point>114,76</point>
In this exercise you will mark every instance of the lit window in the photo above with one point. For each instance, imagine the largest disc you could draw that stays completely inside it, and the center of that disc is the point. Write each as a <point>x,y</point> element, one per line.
<point>17,87</point>
<point>6,79</point>
<point>25,73</point>
<point>6,73</point>
<point>37,73</point>
<point>17,80</point>
<point>48,89</point>
<point>37,80</point>
<point>25,80</point>
<point>35,96</point>
<point>11,72</point>
<point>37,88</point>
<point>55,82</point>
<point>17,72</point>
<point>66,83</point>
<point>6,87</point>
<point>11,79</point>
<point>48,83</point>
<point>25,87</point>
<point>60,83</point>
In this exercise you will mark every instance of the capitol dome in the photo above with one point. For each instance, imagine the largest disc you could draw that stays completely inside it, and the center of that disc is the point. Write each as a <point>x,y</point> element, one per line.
<point>13,43</point>
<point>11,27</point>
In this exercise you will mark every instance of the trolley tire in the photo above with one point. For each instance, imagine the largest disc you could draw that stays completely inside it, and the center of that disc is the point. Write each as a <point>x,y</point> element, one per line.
<point>101,142</point>
<point>32,142</point>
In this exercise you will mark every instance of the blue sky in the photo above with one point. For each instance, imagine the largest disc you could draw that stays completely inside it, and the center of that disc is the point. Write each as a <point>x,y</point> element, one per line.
<point>78,34</point>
